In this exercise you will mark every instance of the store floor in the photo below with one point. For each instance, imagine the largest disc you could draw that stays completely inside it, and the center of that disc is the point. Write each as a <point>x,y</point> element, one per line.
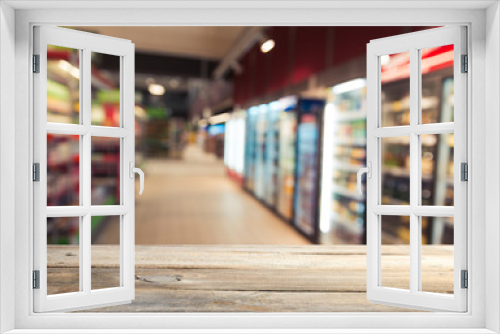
<point>192,201</point>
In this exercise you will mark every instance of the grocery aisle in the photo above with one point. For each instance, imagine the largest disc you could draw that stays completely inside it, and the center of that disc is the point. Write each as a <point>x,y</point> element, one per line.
<point>192,201</point>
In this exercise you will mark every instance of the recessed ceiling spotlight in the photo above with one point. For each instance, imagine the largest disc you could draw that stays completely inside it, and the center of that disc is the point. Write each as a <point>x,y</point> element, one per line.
<point>267,45</point>
<point>156,89</point>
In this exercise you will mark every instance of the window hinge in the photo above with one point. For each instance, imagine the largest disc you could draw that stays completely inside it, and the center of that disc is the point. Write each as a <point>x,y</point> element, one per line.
<point>465,64</point>
<point>36,63</point>
<point>464,171</point>
<point>36,172</point>
<point>465,279</point>
<point>36,279</point>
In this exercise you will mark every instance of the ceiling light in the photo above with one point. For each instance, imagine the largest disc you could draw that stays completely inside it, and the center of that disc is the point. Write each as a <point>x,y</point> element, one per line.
<point>349,86</point>
<point>267,46</point>
<point>156,89</point>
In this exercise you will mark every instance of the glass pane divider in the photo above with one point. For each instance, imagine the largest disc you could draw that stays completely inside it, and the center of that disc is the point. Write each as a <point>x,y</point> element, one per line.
<point>415,171</point>
<point>107,131</point>
<point>109,210</point>
<point>434,128</point>
<point>393,131</point>
<point>67,211</point>
<point>67,129</point>
<point>419,129</point>
<point>85,254</point>
<point>86,235</point>
<point>433,211</point>
<point>419,210</point>
<point>81,271</point>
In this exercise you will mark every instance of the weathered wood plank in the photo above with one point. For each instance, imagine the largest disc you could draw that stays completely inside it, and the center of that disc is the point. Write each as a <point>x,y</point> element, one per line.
<point>243,280</point>
<point>152,300</point>
<point>250,278</point>
<point>216,257</point>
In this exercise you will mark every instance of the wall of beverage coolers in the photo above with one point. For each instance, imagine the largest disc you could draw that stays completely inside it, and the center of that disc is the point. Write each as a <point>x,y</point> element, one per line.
<point>301,155</point>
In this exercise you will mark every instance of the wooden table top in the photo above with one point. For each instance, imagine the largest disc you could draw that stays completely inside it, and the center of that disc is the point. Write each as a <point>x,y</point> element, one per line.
<point>250,278</point>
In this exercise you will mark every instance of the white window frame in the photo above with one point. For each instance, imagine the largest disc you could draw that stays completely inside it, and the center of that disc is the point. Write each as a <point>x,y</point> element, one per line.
<point>86,43</point>
<point>413,43</point>
<point>484,103</point>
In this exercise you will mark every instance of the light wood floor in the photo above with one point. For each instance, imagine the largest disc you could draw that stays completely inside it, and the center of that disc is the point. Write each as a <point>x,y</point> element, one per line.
<point>192,201</point>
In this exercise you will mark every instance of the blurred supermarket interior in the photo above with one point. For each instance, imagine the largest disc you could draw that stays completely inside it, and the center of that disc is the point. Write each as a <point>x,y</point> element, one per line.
<point>250,135</point>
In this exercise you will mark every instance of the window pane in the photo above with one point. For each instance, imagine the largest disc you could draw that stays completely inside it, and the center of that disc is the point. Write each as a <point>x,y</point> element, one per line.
<point>395,89</point>
<point>63,85</point>
<point>63,170</point>
<point>437,169</point>
<point>437,254</point>
<point>63,255</point>
<point>395,257</point>
<point>105,171</point>
<point>437,95</point>
<point>395,170</point>
<point>105,251</point>
<point>105,89</point>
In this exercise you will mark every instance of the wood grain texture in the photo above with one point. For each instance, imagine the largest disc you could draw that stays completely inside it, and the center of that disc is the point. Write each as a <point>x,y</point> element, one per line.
<point>249,278</point>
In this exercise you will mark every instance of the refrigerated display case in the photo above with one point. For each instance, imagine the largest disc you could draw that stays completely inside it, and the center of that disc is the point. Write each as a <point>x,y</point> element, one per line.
<point>260,151</point>
<point>307,163</point>
<point>234,145</point>
<point>251,148</point>
<point>343,209</point>
<point>272,153</point>
<point>286,170</point>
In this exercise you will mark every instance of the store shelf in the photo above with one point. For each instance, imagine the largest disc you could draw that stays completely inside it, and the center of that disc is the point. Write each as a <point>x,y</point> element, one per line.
<point>350,141</point>
<point>347,193</point>
<point>346,166</point>
<point>350,116</point>
<point>403,172</point>
<point>351,226</point>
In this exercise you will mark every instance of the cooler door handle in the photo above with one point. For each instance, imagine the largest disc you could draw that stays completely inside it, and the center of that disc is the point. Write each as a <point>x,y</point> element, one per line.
<point>139,171</point>
<point>368,171</point>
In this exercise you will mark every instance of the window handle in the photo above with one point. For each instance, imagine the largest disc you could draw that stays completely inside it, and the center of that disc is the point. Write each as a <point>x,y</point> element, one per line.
<point>368,171</point>
<point>139,171</point>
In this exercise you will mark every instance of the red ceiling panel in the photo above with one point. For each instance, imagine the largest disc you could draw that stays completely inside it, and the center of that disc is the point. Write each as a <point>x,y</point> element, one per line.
<point>279,58</point>
<point>309,52</point>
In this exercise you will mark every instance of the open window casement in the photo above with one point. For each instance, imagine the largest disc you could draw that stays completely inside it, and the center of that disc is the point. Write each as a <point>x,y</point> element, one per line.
<point>410,53</point>
<point>63,57</point>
